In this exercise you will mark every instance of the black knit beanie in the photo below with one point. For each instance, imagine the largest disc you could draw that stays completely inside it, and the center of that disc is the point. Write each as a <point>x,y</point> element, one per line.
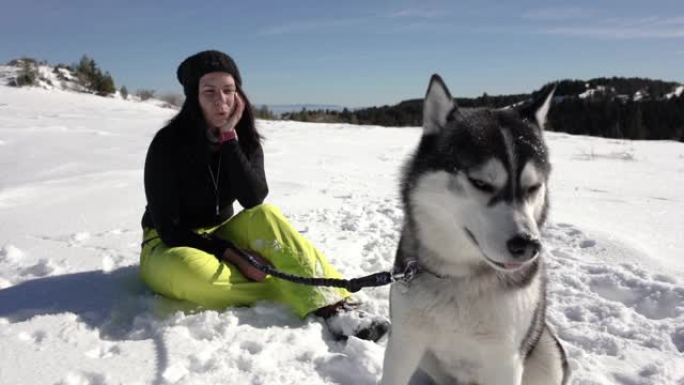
<point>194,67</point>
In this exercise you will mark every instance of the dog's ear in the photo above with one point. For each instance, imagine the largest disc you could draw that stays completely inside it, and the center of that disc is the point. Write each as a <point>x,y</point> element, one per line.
<point>538,109</point>
<point>437,107</point>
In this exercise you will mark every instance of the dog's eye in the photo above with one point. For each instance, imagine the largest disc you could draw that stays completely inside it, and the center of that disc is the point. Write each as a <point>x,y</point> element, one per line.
<point>533,189</point>
<point>481,185</point>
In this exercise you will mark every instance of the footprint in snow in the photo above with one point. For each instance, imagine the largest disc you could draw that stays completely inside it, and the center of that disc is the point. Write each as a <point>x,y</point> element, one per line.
<point>42,268</point>
<point>104,350</point>
<point>35,338</point>
<point>252,347</point>
<point>71,240</point>
<point>678,339</point>
<point>84,378</point>
<point>652,299</point>
<point>567,235</point>
<point>587,243</point>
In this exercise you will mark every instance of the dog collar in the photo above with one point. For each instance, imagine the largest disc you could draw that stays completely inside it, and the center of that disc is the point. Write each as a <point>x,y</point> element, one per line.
<point>412,269</point>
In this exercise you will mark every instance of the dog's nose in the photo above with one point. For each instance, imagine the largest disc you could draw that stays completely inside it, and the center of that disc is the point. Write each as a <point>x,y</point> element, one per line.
<point>523,247</point>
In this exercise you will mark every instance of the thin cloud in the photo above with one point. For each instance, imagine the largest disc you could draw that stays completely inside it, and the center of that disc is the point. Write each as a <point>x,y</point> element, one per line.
<point>558,14</point>
<point>310,26</point>
<point>625,28</point>
<point>414,13</point>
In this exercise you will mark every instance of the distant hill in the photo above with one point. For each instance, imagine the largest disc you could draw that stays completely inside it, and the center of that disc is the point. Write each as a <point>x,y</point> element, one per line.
<point>280,109</point>
<point>29,72</point>
<point>616,107</point>
<point>632,108</point>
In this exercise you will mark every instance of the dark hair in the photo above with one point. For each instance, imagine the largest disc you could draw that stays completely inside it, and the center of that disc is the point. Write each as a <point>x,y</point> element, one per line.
<point>189,122</point>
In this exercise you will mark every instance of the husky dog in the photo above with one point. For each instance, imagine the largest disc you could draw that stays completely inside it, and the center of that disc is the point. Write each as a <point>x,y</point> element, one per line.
<point>475,195</point>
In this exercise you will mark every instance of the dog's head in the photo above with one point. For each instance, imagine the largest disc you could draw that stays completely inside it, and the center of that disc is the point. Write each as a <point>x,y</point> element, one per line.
<point>477,184</point>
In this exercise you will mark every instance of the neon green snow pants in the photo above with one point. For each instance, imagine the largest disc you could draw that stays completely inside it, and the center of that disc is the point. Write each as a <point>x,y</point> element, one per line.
<point>190,274</point>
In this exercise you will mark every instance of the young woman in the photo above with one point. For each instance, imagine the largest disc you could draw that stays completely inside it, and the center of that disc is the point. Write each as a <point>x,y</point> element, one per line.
<point>205,158</point>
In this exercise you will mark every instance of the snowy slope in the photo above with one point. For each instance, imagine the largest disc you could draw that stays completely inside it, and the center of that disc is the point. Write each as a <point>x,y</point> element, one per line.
<point>62,79</point>
<point>72,310</point>
<point>48,77</point>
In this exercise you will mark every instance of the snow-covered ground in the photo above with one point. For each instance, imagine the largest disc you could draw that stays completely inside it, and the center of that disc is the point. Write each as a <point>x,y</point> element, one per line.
<point>72,310</point>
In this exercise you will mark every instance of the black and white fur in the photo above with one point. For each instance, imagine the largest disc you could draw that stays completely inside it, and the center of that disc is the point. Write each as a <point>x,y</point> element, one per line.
<point>475,196</point>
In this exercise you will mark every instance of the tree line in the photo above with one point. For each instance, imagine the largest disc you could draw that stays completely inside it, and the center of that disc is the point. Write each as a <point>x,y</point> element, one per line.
<point>629,108</point>
<point>626,108</point>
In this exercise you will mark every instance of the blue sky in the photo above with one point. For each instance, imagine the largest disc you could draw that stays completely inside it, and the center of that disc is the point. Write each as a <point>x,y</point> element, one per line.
<point>356,53</point>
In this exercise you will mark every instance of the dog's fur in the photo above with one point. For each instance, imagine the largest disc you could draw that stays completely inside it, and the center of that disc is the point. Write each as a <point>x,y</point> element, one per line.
<point>475,195</point>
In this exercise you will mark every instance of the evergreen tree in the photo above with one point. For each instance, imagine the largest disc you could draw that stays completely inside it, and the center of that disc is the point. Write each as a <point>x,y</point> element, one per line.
<point>91,77</point>
<point>145,94</point>
<point>124,92</point>
<point>28,74</point>
<point>635,128</point>
<point>105,85</point>
<point>263,112</point>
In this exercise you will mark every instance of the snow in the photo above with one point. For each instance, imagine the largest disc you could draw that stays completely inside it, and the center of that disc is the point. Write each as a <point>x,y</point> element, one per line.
<point>593,92</point>
<point>639,95</point>
<point>676,93</point>
<point>49,79</point>
<point>73,311</point>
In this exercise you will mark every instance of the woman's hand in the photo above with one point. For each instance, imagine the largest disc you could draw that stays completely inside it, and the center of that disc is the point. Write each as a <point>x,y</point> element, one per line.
<point>250,272</point>
<point>235,114</point>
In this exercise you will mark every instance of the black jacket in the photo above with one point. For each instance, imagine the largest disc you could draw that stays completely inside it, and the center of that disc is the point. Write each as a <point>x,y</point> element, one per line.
<point>180,192</point>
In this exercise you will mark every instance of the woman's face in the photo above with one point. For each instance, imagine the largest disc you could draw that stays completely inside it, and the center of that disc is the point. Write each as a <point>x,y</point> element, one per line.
<point>217,97</point>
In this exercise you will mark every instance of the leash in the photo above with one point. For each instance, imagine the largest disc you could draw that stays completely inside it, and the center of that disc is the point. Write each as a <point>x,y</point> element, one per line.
<point>352,285</point>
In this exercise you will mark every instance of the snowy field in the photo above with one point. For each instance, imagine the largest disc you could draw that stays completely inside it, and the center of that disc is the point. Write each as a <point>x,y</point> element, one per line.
<point>73,312</point>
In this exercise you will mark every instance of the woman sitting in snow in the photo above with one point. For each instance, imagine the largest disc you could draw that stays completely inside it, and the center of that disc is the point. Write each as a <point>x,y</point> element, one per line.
<point>204,159</point>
